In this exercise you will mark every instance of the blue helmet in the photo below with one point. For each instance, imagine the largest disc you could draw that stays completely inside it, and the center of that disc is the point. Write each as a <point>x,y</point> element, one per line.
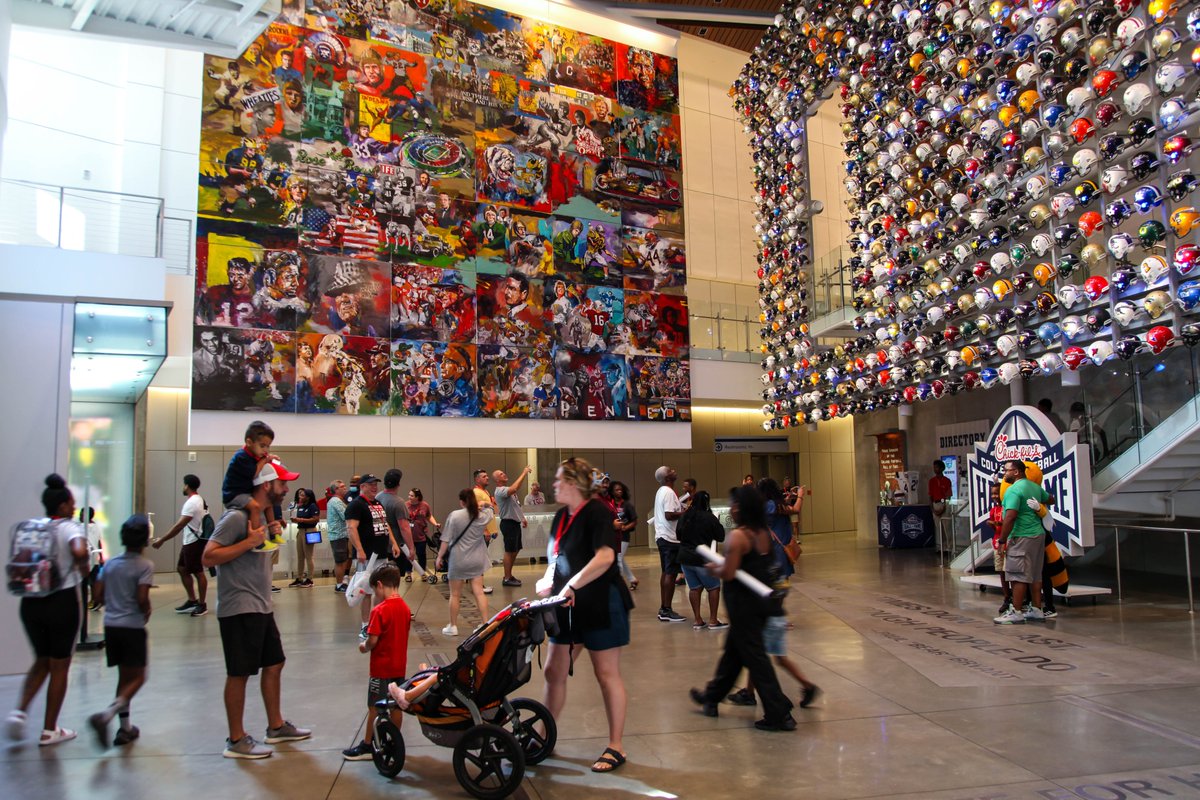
<point>1147,198</point>
<point>1053,114</point>
<point>1049,333</point>
<point>988,377</point>
<point>1060,173</point>
<point>1188,295</point>
<point>1006,91</point>
<point>1023,44</point>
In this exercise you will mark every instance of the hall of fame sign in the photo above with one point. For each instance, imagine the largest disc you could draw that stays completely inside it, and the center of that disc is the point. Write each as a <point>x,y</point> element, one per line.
<point>1027,434</point>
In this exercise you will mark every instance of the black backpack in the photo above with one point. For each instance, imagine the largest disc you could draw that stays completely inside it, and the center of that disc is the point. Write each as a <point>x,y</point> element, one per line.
<point>207,526</point>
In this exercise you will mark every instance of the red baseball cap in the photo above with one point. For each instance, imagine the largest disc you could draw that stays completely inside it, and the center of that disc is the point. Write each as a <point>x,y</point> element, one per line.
<point>272,471</point>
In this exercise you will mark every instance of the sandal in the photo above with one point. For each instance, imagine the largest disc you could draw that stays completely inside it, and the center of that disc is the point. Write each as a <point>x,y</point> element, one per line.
<point>56,736</point>
<point>408,578</point>
<point>633,586</point>
<point>610,758</point>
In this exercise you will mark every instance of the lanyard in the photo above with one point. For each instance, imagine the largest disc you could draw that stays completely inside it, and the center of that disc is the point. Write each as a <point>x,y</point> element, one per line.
<point>564,524</point>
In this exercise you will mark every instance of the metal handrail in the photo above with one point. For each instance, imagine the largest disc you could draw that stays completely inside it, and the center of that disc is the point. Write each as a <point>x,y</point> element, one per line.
<point>87,189</point>
<point>1187,555</point>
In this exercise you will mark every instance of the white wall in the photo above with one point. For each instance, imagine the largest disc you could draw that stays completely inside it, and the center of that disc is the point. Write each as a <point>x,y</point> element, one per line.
<point>34,435</point>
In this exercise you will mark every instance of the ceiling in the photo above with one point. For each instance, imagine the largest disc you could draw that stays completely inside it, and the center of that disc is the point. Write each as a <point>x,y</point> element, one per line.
<point>734,23</point>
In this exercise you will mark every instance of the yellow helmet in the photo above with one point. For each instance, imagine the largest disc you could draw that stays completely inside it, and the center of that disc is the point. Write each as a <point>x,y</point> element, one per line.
<point>1039,215</point>
<point>963,67</point>
<point>931,267</point>
<point>915,61</point>
<point>1029,100</point>
<point>1008,115</point>
<point>1162,10</point>
<point>1044,273</point>
<point>1184,220</point>
<point>970,355</point>
<point>904,303</point>
<point>1002,288</point>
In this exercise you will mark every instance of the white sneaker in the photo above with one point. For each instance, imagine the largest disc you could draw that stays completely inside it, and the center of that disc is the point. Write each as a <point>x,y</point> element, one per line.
<point>1034,614</point>
<point>14,726</point>
<point>1010,617</point>
<point>450,630</point>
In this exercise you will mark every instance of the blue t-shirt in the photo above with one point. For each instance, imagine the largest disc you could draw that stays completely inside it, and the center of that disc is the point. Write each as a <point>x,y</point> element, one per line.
<point>122,575</point>
<point>239,476</point>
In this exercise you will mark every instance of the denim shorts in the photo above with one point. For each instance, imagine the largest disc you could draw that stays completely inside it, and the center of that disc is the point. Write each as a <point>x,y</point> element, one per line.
<point>700,578</point>
<point>668,556</point>
<point>775,636</point>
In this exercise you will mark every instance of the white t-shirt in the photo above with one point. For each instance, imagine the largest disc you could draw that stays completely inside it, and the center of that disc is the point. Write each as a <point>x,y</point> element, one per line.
<point>665,501</point>
<point>192,507</point>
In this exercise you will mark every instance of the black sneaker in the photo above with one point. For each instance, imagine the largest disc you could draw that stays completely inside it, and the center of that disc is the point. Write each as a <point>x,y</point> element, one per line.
<point>308,584</point>
<point>126,735</point>
<point>1049,612</point>
<point>200,610</point>
<point>785,724</point>
<point>1005,607</point>
<point>296,584</point>
<point>511,582</point>
<point>742,697</point>
<point>360,752</point>
<point>275,588</point>
<point>187,607</point>
<point>810,694</point>
<point>340,588</point>
<point>707,707</point>
<point>668,615</point>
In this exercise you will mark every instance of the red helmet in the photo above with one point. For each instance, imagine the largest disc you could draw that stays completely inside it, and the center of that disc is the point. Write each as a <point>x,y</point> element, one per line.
<point>1159,338</point>
<point>1010,141</point>
<point>1107,113</point>
<point>859,365</point>
<point>1095,287</point>
<point>970,380</point>
<point>938,388</point>
<point>1082,129</point>
<point>1177,147</point>
<point>884,377</point>
<point>951,334</point>
<point>882,356</point>
<point>981,271</point>
<point>1104,81</point>
<point>1186,259</point>
<point>972,167</point>
<point>1074,357</point>
<point>1090,223</point>
<point>910,394</point>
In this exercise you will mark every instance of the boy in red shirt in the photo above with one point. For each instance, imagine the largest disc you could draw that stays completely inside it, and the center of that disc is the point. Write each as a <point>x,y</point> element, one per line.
<point>387,642</point>
<point>996,520</point>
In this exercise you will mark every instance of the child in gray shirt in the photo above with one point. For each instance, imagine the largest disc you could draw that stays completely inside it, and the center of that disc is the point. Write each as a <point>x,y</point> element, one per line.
<point>124,587</point>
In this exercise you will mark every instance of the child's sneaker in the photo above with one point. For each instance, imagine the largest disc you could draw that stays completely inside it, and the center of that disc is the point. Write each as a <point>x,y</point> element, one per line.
<point>14,726</point>
<point>360,752</point>
<point>99,724</point>
<point>1010,617</point>
<point>1034,614</point>
<point>1049,612</point>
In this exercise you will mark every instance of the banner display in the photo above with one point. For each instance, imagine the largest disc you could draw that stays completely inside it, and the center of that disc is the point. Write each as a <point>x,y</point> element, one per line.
<point>1025,433</point>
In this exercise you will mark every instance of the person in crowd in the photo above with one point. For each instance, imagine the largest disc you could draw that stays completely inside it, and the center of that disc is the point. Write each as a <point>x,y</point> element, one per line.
<point>370,533</point>
<point>396,510</point>
<point>306,515</point>
<point>667,511</point>
<point>420,517</point>
<point>535,496</point>
<point>1022,542</point>
<point>239,480</point>
<point>780,526</point>
<point>387,642</point>
<point>249,636</point>
<point>353,489</point>
<point>996,521</point>
<point>1089,432</point>
<point>463,554</point>
<point>339,536</point>
<point>699,526</point>
<point>51,621</point>
<point>1046,406</point>
<point>689,491</point>
<point>747,480</point>
<point>624,523</point>
<point>775,645</point>
<point>940,490</point>
<point>87,518</point>
<point>795,498</point>
<point>512,519</point>
<point>125,583</point>
<point>596,614</point>
<point>191,571</point>
<point>748,547</point>
<point>484,499</point>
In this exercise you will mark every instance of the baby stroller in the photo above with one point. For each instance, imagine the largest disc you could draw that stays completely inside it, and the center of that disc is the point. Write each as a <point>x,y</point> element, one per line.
<point>465,704</point>
<point>435,544</point>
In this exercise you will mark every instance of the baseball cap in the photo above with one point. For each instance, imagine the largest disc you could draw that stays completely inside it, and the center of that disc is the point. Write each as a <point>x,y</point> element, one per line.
<point>368,478</point>
<point>274,470</point>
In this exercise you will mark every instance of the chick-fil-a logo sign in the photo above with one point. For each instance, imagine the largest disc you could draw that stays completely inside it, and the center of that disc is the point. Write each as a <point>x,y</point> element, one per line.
<point>1025,434</point>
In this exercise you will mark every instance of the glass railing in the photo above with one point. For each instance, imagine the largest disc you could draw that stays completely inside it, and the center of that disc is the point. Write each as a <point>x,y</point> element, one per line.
<point>70,218</point>
<point>726,332</point>
<point>832,289</point>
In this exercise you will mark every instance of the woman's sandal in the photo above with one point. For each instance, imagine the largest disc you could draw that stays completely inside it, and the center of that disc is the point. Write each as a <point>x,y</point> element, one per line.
<point>633,586</point>
<point>610,758</point>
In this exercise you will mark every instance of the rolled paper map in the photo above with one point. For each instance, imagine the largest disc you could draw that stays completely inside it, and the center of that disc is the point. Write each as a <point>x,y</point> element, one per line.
<point>748,580</point>
<point>413,563</point>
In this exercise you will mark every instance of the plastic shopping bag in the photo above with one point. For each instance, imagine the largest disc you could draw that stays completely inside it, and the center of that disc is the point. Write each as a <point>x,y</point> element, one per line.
<point>360,585</point>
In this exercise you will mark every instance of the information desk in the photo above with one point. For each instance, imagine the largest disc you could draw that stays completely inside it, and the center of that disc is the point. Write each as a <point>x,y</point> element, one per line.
<point>905,526</point>
<point>534,537</point>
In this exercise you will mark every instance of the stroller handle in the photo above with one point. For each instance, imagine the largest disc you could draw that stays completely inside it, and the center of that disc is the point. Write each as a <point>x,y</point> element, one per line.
<point>525,607</point>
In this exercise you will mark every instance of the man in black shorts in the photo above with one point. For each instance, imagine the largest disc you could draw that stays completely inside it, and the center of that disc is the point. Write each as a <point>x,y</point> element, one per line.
<point>190,522</point>
<point>249,636</point>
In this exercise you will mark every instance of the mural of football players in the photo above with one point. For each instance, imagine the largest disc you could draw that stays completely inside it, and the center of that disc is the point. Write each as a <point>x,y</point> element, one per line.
<point>513,314</point>
<point>279,302</point>
<point>457,395</point>
<point>243,370</point>
<point>230,304</point>
<point>528,247</point>
<point>662,388</point>
<point>354,296</point>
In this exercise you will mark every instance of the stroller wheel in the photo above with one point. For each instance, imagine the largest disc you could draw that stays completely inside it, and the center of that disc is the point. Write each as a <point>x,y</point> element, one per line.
<point>534,728</point>
<point>489,762</point>
<point>388,753</point>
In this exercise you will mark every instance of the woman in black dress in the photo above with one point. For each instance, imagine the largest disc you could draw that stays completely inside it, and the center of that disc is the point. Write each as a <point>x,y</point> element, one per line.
<point>596,614</point>
<point>747,547</point>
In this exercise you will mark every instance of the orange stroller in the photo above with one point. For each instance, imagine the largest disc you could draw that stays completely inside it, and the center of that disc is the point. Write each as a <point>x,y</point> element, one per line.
<point>465,704</point>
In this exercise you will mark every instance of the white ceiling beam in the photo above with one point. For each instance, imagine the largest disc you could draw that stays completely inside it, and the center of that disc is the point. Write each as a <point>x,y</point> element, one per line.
<point>83,14</point>
<point>682,13</point>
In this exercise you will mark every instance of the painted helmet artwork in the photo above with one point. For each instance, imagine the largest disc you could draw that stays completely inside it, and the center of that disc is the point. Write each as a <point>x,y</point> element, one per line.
<point>1019,184</point>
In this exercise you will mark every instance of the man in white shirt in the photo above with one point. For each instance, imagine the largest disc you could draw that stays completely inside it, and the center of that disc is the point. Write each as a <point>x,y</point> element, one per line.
<point>535,496</point>
<point>191,521</point>
<point>667,511</point>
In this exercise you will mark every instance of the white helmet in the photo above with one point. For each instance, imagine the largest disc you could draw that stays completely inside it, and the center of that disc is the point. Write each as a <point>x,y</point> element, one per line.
<point>1045,27</point>
<point>1006,344</point>
<point>960,202</point>
<point>961,253</point>
<point>1009,372</point>
<point>1124,312</point>
<point>1062,204</point>
<point>1169,77</point>
<point>1120,245</point>
<point>935,315</point>
<point>922,343</point>
<point>1027,72</point>
<point>1078,97</point>
<point>882,334</point>
<point>1100,351</point>
<point>1136,98</point>
<point>1056,144</point>
<point>990,129</point>
<point>1069,294</point>
<point>1171,114</point>
<point>1050,363</point>
<point>956,154</point>
<point>1153,268</point>
<point>1072,327</point>
<point>978,218</point>
<point>1084,161</point>
<point>1000,262</point>
<point>984,298</point>
<point>1042,243</point>
<point>1114,178</point>
<point>953,358</point>
<point>1129,31</point>
<point>1037,186</point>
<point>992,182</point>
<point>895,354</point>
<point>1030,129</point>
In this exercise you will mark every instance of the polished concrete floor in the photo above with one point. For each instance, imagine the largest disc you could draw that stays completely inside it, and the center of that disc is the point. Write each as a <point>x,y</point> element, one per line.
<point>922,697</point>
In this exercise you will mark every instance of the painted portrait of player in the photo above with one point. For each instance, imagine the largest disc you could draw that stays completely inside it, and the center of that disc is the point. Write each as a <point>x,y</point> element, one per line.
<point>653,260</point>
<point>646,136</point>
<point>510,175</point>
<point>243,179</point>
<point>569,58</point>
<point>243,370</point>
<point>661,388</point>
<point>528,246</point>
<point>342,375</point>
<point>647,81</point>
<point>509,378</point>
<point>510,309</point>
<point>432,303</point>
<point>351,297</point>
<point>591,386</point>
<point>249,276</point>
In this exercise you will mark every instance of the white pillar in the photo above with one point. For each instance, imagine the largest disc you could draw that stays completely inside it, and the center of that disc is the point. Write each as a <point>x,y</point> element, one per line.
<point>5,32</point>
<point>1016,392</point>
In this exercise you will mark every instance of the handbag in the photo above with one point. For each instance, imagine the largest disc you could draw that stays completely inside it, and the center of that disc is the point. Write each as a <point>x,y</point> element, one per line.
<point>791,549</point>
